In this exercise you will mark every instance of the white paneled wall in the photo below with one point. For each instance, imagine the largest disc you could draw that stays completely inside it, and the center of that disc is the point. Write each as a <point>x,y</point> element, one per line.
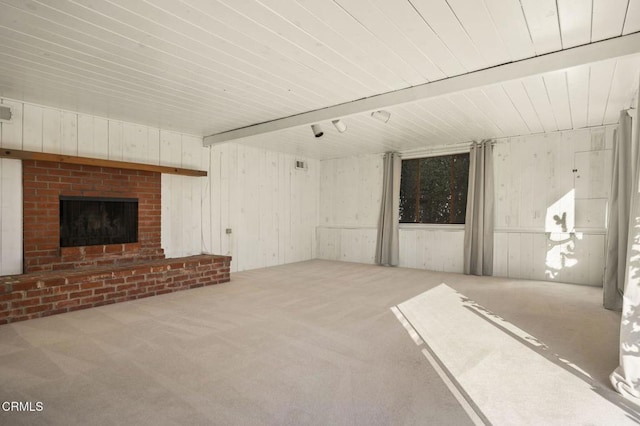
<point>540,179</point>
<point>433,248</point>
<point>185,205</point>
<point>270,206</point>
<point>350,194</point>
<point>10,217</point>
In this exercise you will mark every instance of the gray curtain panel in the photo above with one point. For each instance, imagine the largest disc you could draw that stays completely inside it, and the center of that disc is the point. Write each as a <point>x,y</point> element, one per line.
<point>479,221</point>
<point>619,210</point>
<point>626,378</point>
<point>388,246</point>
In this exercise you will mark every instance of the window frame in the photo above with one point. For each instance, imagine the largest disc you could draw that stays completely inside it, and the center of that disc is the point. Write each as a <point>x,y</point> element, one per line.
<point>440,226</point>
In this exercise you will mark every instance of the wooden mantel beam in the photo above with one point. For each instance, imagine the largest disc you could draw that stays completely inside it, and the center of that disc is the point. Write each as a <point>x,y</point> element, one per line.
<point>86,161</point>
<point>581,55</point>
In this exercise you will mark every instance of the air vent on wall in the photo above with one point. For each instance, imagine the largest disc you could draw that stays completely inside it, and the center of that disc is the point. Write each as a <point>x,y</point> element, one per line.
<point>301,164</point>
<point>5,113</point>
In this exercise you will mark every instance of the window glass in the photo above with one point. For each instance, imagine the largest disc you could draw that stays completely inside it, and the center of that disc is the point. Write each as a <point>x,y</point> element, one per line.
<point>434,189</point>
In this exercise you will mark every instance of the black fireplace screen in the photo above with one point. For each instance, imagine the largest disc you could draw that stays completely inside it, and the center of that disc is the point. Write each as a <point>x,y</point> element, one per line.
<point>88,221</point>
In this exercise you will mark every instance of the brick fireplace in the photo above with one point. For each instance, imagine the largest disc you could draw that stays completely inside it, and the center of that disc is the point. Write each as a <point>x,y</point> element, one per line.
<point>61,279</point>
<point>43,184</point>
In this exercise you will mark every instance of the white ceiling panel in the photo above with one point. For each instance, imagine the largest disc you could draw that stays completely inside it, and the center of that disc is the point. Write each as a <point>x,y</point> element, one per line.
<point>632,20</point>
<point>509,19</point>
<point>544,25</point>
<point>600,80</point>
<point>210,66</point>
<point>558,91</point>
<point>575,22</point>
<point>624,81</point>
<point>539,97</point>
<point>591,95</point>
<point>441,18</point>
<point>521,101</point>
<point>404,17</point>
<point>477,22</point>
<point>608,18</point>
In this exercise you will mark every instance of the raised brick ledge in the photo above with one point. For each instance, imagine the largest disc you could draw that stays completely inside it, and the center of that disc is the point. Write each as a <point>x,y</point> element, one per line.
<point>40,294</point>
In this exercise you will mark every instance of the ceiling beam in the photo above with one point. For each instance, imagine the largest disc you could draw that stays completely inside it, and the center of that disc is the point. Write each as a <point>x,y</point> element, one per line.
<point>581,55</point>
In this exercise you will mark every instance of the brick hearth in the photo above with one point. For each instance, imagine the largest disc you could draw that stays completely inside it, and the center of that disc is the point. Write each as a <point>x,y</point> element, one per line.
<point>40,294</point>
<point>58,280</point>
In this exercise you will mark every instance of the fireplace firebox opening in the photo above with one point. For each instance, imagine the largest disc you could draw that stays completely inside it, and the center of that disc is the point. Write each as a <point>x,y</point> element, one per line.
<point>89,221</point>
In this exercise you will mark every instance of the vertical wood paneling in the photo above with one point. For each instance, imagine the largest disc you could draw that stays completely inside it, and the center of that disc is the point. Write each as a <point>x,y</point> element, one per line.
<point>171,210</point>
<point>52,130</point>
<point>502,159</point>
<point>152,153</point>
<point>195,156</point>
<point>10,217</point>
<point>11,132</point>
<point>134,142</point>
<point>206,213</point>
<point>501,254</point>
<point>551,190</point>
<point>116,140</point>
<point>93,136</point>
<point>269,192</point>
<point>232,221</point>
<point>32,128</point>
<point>172,195</point>
<point>214,187</point>
<point>270,206</point>
<point>69,133</point>
<point>348,183</point>
<point>59,132</point>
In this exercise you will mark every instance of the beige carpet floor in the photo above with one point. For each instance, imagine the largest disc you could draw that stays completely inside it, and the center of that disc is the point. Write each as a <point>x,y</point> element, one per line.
<point>307,343</point>
<point>506,376</point>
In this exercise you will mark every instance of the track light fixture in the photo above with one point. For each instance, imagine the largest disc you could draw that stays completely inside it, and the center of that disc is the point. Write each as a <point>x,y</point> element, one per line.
<point>381,115</point>
<point>317,130</point>
<point>339,125</point>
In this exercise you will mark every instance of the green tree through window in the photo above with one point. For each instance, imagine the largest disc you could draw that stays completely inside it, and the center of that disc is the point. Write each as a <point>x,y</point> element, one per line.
<point>434,189</point>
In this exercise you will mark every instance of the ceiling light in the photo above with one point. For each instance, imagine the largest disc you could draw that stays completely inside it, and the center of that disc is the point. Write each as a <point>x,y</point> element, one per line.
<point>317,130</point>
<point>381,115</point>
<point>339,125</point>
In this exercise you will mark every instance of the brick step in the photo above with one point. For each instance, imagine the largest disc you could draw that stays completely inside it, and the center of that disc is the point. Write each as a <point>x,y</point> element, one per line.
<point>40,294</point>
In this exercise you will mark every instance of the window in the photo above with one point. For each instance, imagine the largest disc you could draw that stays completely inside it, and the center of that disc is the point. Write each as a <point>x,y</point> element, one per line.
<point>434,189</point>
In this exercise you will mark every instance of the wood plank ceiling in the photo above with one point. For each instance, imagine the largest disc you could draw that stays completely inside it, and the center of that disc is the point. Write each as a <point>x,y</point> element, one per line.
<point>208,66</point>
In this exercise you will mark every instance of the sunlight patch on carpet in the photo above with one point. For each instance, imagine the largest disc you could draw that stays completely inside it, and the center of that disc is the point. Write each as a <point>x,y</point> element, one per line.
<point>500,372</point>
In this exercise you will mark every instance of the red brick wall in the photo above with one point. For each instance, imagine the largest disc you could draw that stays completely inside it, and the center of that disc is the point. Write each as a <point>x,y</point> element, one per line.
<point>44,182</point>
<point>28,296</point>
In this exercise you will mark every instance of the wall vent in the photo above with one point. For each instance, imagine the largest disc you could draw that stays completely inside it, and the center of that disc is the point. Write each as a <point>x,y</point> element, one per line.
<point>301,164</point>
